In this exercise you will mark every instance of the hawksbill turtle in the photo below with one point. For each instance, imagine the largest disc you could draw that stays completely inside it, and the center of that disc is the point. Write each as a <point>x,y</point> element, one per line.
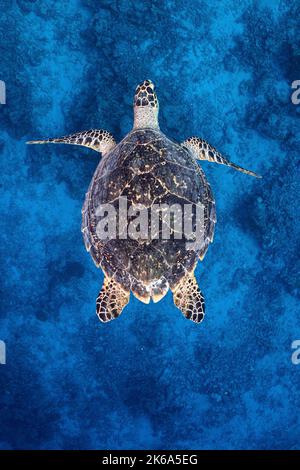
<point>146,167</point>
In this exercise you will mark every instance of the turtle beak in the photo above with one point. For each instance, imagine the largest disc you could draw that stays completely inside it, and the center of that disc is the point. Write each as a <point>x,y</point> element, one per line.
<point>145,84</point>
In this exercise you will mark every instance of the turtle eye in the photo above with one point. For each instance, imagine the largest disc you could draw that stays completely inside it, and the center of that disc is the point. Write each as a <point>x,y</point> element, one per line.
<point>148,83</point>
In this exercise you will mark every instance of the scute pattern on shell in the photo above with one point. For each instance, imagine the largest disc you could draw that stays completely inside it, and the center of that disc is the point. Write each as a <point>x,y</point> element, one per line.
<point>147,168</point>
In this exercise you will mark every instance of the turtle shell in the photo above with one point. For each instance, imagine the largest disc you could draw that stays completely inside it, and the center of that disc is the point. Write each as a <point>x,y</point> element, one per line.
<point>147,168</point>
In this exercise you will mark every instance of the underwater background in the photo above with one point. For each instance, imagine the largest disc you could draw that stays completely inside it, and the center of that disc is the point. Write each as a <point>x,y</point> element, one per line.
<point>151,379</point>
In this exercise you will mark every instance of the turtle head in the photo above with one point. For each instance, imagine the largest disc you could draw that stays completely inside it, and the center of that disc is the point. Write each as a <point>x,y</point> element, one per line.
<point>145,105</point>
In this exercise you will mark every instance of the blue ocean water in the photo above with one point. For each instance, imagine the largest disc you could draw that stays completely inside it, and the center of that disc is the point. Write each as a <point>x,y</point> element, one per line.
<point>151,379</point>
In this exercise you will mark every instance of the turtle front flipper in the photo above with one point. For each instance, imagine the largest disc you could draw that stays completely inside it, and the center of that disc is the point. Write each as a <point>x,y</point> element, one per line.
<point>202,150</point>
<point>189,299</point>
<point>99,140</point>
<point>111,300</point>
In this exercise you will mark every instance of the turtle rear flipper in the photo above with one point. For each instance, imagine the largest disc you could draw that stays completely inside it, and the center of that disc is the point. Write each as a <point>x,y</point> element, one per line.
<point>189,299</point>
<point>111,300</point>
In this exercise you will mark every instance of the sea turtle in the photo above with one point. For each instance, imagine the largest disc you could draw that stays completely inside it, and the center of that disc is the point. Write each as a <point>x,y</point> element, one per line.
<point>147,168</point>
